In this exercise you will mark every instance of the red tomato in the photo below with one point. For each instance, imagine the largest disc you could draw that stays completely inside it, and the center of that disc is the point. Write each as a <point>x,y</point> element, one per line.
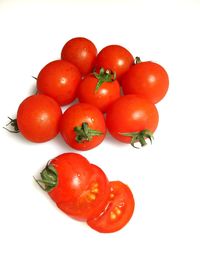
<point>83,126</point>
<point>118,211</point>
<point>146,79</point>
<point>99,90</point>
<point>115,58</point>
<point>79,189</point>
<point>38,118</point>
<point>132,119</point>
<point>59,79</point>
<point>81,52</point>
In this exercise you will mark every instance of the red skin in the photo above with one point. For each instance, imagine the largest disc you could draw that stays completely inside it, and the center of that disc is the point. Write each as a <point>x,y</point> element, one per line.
<point>131,113</point>
<point>146,79</point>
<point>115,58</point>
<point>59,79</point>
<point>81,52</point>
<point>83,188</point>
<point>38,118</point>
<point>118,211</point>
<point>102,98</point>
<point>75,116</point>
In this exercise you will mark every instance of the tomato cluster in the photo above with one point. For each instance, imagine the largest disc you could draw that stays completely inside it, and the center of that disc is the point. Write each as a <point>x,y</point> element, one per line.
<point>114,91</point>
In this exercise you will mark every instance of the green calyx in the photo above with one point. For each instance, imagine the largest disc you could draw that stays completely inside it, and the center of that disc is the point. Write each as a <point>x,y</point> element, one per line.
<point>13,124</point>
<point>104,76</point>
<point>85,133</point>
<point>138,60</point>
<point>139,137</point>
<point>49,178</point>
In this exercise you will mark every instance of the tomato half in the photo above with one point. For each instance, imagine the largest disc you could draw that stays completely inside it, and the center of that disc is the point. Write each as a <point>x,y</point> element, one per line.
<point>83,126</point>
<point>118,211</point>
<point>146,79</point>
<point>59,79</point>
<point>132,119</point>
<point>99,89</point>
<point>115,58</point>
<point>81,52</point>
<point>79,189</point>
<point>38,118</point>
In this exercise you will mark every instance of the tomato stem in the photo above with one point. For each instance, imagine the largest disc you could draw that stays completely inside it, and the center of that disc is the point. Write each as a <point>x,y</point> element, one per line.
<point>138,60</point>
<point>85,133</point>
<point>104,76</point>
<point>49,178</point>
<point>139,137</point>
<point>13,124</point>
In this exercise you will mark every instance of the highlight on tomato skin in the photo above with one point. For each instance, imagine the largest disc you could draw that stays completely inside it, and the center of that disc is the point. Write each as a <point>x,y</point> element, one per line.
<point>118,211</point>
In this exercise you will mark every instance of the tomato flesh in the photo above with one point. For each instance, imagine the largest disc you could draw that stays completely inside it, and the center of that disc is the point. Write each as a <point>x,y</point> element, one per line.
<point>118,211</point>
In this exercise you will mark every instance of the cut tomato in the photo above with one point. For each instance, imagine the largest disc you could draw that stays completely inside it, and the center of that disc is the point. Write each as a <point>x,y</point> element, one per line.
<point>118,211</point>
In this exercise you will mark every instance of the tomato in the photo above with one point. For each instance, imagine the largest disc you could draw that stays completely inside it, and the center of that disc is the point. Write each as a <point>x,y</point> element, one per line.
<point>79,189</point>
<point>59,79</point>
<point>83,126</point>
<point>118,211</point>
<point>99,90</point>
<point>147,79</point>
<point>38,118</point>
<point>115,58</point>
<point>81,52</point>
<point>132,119</point>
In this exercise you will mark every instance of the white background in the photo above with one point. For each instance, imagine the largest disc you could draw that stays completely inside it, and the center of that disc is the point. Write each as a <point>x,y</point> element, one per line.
<point>164,177</point>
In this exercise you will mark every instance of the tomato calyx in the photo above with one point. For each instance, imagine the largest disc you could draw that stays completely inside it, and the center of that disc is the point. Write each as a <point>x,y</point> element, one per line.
<point>49,178</point>
<point>85,133</point>
<point>13,124</point>
<point>104,76</point>
<point>137,60</point>
<point>139,137</point>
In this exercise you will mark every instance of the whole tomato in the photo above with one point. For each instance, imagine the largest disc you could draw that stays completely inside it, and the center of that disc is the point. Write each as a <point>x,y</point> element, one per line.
<point>38,118</point>
<point>79,189</point>
<point>132,119</point>
<point>83,126</point>
<point>115,58</point>
<point>146,79</point>
<point>81,52</point>
<point>59,79</point>
<point>99,89</point>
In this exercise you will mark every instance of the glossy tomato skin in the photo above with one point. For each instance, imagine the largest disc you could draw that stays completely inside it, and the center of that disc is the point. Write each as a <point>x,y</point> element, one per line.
<point>75,116</point>
<point>59,79</point>
<point>131,113</point>
<point>118,211</point>
<point>82,189</point>
<point>38,118</point>
<point>146,79</point>
<point>115,58</point>
<point>81,52</point>
<point>103,97</point>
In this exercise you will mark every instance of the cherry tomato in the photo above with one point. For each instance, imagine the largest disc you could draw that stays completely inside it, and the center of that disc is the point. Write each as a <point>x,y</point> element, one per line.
<point>81,52</point>
<point>115,58</point>
<point>59,79</point>
<point>38,118</point>
<point>99,90</point>
<point>83,126</point>
<point>132,119</point>
<point>146,79</point>
<point>118,211</point>
<point>79,189</point>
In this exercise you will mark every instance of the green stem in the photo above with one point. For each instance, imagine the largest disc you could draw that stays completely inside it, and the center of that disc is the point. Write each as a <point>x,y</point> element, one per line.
<point>49,178</point>
<point>13,124</point>
<point>85,133</point>
<point>139,137</point>
<point>104,76</point>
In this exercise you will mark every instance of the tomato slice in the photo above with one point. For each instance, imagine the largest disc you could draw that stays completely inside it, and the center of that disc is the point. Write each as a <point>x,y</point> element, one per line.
<point>93,197</point>
<point>118,211</point>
